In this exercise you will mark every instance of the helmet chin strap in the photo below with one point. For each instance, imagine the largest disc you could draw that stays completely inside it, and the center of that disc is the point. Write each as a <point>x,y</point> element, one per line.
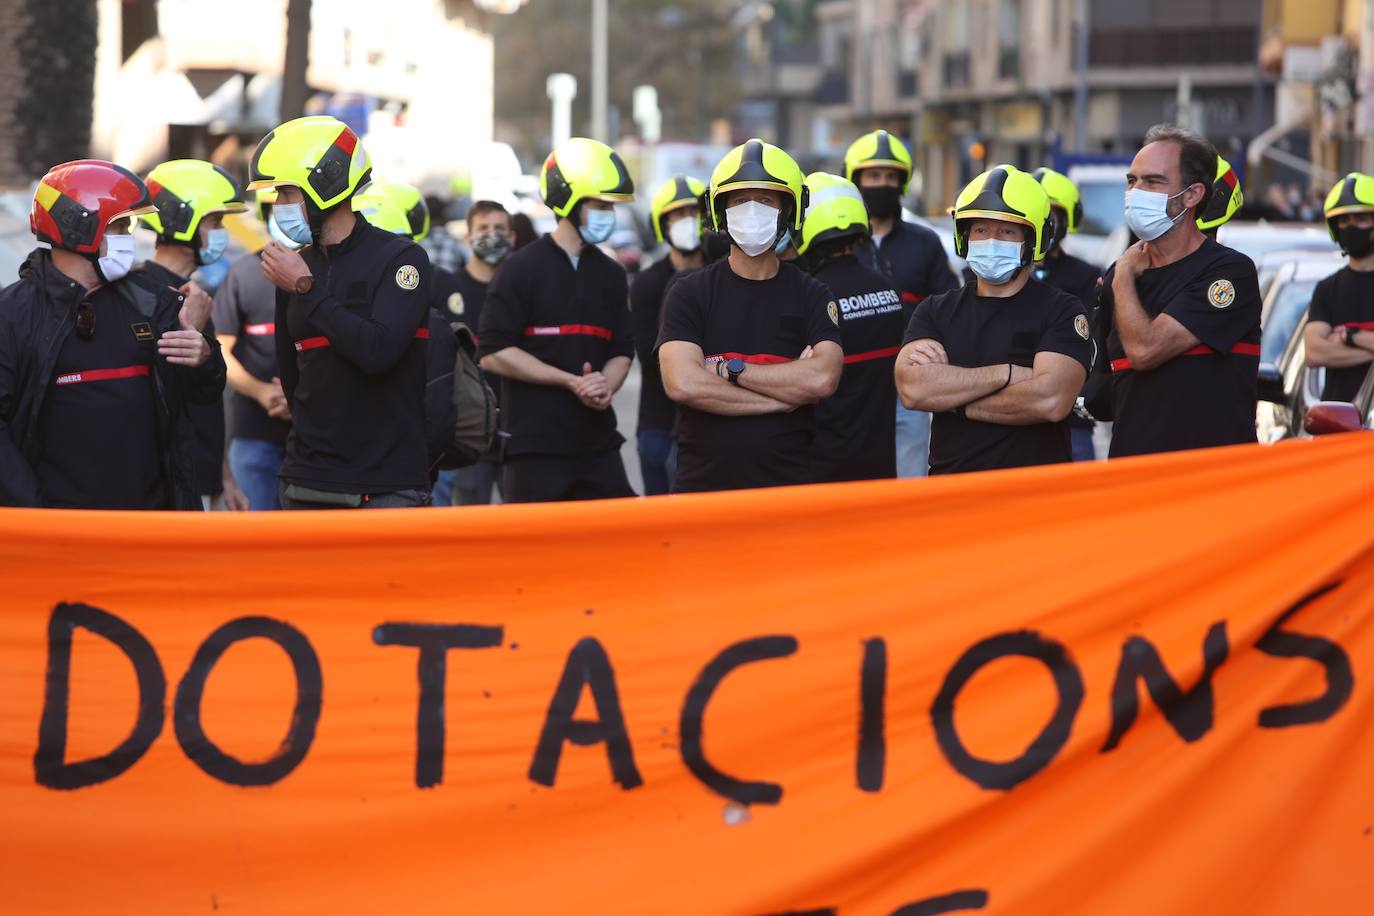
<point>316,216</point>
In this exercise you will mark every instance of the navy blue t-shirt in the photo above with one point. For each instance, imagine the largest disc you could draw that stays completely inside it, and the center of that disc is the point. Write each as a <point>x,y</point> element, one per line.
<point>1198,399</point>
<point>99,427</point>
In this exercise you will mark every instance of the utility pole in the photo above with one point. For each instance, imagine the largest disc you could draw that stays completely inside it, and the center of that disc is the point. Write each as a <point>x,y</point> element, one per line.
<point>1080,89</point>
<point>1364,104</point>
<point>599,125</point>
<point>562,89</point>
<point>297,59</point>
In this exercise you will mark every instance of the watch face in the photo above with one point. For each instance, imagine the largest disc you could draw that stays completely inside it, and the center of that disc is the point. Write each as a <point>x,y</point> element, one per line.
<point>303,285</point>
<point>735,366</point>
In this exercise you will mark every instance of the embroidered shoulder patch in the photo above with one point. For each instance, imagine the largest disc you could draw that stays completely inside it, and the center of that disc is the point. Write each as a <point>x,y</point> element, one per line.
<point>1221,294</point>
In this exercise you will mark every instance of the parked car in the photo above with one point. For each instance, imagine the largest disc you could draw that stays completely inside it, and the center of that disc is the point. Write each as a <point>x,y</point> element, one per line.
<point>1287,390</point>
<point>1269,263</point>
<point>943,226</point>
<point>1102,190</point>
<point>1257,239</point>
<point>1325,418</point>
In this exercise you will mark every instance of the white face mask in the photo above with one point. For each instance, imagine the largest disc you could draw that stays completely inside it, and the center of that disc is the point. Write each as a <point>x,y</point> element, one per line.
<point>1147,213</point>
<point>753,226</point>
<point>685,234</point>
<point>118,258</point>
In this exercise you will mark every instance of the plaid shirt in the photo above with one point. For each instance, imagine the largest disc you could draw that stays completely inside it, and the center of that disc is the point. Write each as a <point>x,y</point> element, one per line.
<point>443,249</point>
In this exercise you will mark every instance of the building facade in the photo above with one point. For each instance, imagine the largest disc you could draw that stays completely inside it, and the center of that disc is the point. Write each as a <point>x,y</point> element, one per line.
<point>203,78</point>
<point>975,82</point>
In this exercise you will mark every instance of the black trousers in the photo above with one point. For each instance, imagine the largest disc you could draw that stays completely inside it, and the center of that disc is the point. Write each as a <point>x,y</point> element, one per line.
<point>560,478</point>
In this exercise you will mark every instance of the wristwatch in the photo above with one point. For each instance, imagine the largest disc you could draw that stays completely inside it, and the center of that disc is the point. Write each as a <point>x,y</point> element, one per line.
<point>734,369</point>
<point>304,285</point>
<point>1350,332</point>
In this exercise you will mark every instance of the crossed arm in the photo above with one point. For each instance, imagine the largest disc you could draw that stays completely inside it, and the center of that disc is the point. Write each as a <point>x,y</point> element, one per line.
<point>1149,342</point>
<point>1326,346</point>
<point>1001,393</point>
<point>762,389</point>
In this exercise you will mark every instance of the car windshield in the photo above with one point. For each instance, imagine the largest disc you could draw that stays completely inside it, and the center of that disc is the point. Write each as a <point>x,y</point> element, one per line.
<point>1282,321</point>
<point>1256,244</point>
<point>1104,206</point>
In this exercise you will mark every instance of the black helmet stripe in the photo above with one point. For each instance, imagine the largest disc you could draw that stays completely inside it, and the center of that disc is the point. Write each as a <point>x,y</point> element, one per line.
<point>255,172</point>
<point>883,150</point>
<point>1348,198</point>
<point>558,192</point>
<point>624,184</point>
<point>237,197</point>
<point>990,198</point>
<point>415,216</point>
<point>173,212</point>
<point>751,166</point>
<point>681,190</point>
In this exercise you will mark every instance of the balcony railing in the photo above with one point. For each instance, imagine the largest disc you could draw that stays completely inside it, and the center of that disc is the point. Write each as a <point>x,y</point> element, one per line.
<point>1166,47</point>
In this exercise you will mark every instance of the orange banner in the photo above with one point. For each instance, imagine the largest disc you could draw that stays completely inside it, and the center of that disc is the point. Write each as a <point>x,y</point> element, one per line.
<point>1131,688</point>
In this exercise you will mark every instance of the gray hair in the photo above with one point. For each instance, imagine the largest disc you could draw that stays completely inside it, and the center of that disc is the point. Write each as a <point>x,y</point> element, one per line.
<point>1197,158</point>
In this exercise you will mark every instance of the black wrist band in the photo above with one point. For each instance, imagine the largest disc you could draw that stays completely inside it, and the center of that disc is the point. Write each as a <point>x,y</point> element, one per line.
<point>1011,367</point>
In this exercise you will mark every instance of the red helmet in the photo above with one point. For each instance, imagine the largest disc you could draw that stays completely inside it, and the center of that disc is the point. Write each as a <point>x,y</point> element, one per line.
<point>76,200</point>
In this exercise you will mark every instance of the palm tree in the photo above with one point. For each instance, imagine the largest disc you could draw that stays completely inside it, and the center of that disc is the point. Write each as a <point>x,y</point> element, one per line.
<point>294,90</point>
<point>47,69</point>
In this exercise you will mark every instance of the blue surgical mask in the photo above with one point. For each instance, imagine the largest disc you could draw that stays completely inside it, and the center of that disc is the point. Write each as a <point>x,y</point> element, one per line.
<point>216,241</point>
<point>1147,213</point>
<point>783,242</point>
<point>994,260</point>
<point>289,225</point>
<point>600,225</point>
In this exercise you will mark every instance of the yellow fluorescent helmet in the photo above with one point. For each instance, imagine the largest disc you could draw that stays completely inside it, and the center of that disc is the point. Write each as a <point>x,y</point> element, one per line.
<point>406,198</point>
<point>755,164</point>
<point>1352,194</point>
<point>318,154</point>
<point>674,194</point>
<point>878,149</point>
<point>582,169</point>
<point>185,191</point>
<point>1004,193</point>
<point>1226,200</point>
<point>265,198</point>
<point>382,212</point>
<point>1062,193</point>
<point>834,210</point>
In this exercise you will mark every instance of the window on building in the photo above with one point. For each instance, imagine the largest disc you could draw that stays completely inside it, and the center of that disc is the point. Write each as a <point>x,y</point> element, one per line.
<point>1009,39</point>
<point>956,16</point>
<point>956,25</point>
